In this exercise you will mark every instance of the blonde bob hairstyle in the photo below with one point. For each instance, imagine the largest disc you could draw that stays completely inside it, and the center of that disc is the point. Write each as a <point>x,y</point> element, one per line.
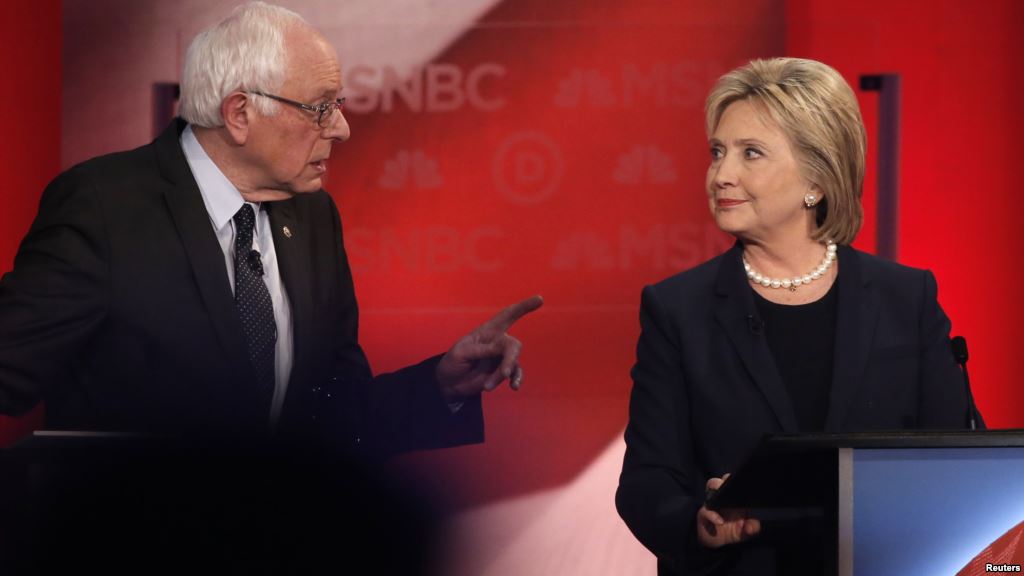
<point>816,109</point>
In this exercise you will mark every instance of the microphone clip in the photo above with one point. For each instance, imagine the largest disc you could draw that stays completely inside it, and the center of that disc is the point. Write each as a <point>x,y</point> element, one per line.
<point>255,262</point>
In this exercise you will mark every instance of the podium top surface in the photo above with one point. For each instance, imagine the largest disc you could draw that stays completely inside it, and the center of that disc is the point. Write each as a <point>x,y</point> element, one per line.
<point>792,470</point>
<point>897,439</point>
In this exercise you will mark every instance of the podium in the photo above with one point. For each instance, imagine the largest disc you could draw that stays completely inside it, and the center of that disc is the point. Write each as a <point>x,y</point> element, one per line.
<point>905,502</point>
<point>112,503</point>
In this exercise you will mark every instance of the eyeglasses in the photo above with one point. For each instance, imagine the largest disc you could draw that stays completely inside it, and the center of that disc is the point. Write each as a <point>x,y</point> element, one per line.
<point>324,112</point>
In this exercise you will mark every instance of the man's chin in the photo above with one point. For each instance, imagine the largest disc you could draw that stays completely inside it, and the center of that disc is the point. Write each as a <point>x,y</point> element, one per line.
<point>284,190</point>
<point>302,187</point>
<point>267,195</point>
<point>307,186</point>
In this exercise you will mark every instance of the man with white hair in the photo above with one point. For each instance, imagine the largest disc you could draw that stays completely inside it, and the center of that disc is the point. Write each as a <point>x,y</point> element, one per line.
<point>199,284</point>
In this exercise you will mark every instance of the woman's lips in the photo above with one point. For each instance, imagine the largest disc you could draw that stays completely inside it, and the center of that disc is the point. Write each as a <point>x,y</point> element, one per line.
<point>728,202</point>
<point>319,166</point>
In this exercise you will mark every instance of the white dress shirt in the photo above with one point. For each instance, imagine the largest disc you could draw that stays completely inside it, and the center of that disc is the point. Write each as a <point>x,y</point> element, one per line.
<point>222,202</point>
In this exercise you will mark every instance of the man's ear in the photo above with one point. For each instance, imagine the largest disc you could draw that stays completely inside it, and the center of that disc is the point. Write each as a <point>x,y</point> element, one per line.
<point>236,110</point>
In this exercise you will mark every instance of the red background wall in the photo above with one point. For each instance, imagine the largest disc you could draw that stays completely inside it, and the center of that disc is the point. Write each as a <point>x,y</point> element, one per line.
<point>30,143</point>
<point>957,65</point>
<point>430,266</point>
<point>584,184</point>
<point>962,77</point>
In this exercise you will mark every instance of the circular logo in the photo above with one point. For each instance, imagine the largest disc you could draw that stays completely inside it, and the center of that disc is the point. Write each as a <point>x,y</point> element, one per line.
<point>528,167</point>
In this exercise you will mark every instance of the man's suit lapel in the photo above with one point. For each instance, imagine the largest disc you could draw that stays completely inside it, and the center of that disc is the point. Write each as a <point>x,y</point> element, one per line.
<point>738,317</point>
<point>185,203</point>
<point>289,239</point>
<point>856,320</point>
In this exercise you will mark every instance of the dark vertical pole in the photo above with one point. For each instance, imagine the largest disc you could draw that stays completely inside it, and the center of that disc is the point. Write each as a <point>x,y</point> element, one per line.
<point>165,101</point>
<point>887,214</point>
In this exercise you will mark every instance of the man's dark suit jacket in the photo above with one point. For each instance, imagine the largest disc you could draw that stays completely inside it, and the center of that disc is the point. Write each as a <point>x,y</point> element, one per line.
<point>119,315</point>
<point>705,390</point>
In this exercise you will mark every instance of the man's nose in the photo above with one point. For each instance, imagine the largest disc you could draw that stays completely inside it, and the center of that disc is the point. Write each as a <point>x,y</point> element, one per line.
<point>337,128</point>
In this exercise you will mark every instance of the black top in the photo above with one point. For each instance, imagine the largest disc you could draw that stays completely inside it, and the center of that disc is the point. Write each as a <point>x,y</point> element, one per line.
<point>802,340</point>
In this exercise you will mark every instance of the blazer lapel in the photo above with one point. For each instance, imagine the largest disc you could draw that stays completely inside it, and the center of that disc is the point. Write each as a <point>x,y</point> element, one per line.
<point>294,268</point>
<point>856,320</point>
<point>736,314</point>
<point>185,203</point>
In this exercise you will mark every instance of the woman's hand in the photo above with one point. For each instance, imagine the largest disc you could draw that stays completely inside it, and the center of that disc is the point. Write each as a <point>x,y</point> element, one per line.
<point>715,530</point>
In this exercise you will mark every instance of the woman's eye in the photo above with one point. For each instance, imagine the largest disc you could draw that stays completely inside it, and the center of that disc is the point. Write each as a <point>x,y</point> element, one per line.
<point>716,153</point>
<point>752,153</point>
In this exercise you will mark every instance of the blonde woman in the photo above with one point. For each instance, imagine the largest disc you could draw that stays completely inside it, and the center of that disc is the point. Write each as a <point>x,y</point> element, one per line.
<point>791,330</point>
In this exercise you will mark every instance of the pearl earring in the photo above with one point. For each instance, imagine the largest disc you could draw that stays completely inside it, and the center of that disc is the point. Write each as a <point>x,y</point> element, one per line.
<point>810,200</point>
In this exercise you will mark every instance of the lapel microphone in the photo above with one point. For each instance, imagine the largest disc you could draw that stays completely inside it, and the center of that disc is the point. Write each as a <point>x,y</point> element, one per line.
<point>255,262</point>
<point>959,347</point>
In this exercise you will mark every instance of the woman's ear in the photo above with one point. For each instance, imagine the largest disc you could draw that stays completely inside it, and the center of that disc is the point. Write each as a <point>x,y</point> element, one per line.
<point>817,191</point>
<point>813,196</point>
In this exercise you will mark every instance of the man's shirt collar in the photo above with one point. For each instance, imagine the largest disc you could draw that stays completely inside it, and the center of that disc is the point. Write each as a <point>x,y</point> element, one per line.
<point>220,196</point>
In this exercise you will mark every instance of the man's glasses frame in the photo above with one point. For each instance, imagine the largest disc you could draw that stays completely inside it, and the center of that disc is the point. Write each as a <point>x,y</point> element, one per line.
<point>323,111</point>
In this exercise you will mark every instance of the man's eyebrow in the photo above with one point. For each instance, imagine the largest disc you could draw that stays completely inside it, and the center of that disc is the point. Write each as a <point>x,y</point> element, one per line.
<point>331,93</point>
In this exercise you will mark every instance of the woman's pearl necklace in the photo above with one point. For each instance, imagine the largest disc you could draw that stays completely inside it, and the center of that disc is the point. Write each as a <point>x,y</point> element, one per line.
<point>796,281</point>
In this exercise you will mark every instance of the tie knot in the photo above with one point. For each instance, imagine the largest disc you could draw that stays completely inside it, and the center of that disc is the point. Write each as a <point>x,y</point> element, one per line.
<point>245,217</point>
<point>245,220</point>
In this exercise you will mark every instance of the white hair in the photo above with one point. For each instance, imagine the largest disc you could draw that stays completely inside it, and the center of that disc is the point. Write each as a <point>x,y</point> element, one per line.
<point>245,51</point>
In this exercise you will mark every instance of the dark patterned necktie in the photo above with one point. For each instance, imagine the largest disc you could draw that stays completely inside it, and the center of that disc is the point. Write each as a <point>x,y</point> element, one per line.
<point>252,300</point>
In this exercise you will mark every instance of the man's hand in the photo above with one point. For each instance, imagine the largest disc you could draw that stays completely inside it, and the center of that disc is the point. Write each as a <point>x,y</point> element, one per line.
<point>486,357</point>
<point>715,530</point>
